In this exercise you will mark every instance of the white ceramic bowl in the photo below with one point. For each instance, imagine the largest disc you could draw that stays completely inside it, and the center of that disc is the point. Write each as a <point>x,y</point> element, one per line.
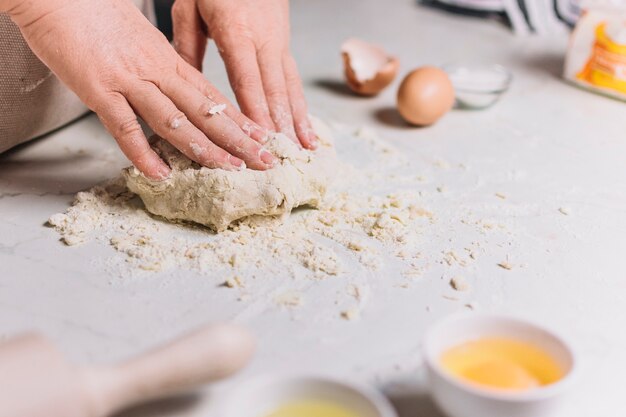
<point>461,399</point>
<point>264,395</point>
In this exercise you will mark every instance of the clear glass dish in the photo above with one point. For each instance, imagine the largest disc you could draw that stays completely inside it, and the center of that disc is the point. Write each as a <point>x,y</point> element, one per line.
<point>478,86</point>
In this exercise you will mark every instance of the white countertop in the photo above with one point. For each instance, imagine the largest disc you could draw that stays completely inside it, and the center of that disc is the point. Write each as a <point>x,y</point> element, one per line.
<point>546,145</point>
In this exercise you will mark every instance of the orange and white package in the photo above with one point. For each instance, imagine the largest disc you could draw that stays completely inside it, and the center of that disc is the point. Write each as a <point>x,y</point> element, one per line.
<point>596,57</point>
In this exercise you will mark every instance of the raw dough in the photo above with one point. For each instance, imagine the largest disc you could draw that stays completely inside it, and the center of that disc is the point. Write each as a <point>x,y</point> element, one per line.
<point>217,198</point>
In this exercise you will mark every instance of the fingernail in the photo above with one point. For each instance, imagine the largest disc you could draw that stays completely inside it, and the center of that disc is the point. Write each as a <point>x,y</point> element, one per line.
<point>267,157</point>
<point>295,140</point>
<point>164,172</point>
<point>255,131</point>
<point>313,141</point>
<point>237,163</point>
<point>265,136</point>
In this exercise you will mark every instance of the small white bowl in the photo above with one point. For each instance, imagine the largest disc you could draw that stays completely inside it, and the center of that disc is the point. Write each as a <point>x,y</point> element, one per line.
<point>457,398</point>
<point>478,86</point>
<point>263,395</point>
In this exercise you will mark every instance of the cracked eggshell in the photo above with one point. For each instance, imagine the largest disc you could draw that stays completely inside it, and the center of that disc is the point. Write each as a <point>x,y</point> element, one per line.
<point>368,68</point>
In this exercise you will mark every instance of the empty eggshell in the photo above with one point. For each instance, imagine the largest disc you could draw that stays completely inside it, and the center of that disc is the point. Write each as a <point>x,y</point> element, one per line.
<point>425,95</point>
<point>368,68</point>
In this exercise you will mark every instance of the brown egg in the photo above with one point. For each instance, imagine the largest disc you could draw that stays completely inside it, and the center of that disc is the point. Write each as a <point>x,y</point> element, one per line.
<point>425,95</point>
<point>368,68</point>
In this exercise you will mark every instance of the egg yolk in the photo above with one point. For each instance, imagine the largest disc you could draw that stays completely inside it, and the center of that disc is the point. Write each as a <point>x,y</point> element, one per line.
<point>313,409</point>
<point>502,364</point>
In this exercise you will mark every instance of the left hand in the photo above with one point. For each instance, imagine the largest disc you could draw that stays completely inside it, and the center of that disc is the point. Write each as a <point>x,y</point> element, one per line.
<point>253,39</point>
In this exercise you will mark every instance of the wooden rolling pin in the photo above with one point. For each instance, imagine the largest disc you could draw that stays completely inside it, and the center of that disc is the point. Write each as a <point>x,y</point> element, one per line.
<point>37,381</point>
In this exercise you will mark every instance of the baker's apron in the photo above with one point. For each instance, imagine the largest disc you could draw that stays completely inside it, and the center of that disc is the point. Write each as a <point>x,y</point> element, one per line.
<point>33,101</point>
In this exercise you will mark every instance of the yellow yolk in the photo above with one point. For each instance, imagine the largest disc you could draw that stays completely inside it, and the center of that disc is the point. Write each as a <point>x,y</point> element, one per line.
<point>313,409</point>
<point>501,374</point>
<point>502,363</point>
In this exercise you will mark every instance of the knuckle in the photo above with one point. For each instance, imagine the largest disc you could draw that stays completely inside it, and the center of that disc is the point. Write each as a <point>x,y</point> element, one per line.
<point>238,37</point>
<point>276,94</point>
<point>245,81</point>
<point>292,78</point>
<point>104,103</point>
<point>175,119</point>
<point>267,46</point>
<point>128,128</point>
<point>184,69</point>
<point>165,78</point>
<point>210,93</point>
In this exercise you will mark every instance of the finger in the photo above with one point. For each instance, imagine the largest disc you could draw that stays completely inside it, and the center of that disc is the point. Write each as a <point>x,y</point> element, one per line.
<point>171,124</point>
<point>189,37</point>
<point>245,79</point>
<point>276,94</point>
<point>218,127</point>
<point>249,127</point>
<point>120,120</point>
<point>300,114</point>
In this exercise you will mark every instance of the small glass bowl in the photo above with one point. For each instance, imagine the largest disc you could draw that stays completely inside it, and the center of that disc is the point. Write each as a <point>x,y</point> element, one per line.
<point>478,86</point>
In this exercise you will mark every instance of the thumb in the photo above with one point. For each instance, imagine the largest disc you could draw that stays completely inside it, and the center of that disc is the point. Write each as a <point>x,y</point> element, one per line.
<point>189,36</point>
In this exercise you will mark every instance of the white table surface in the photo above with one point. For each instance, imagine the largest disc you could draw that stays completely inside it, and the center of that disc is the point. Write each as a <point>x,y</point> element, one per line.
<point>546,145</point>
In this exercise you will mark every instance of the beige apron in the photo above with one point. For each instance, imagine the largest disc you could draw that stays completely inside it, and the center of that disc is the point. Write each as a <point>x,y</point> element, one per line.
<point>33,101</point>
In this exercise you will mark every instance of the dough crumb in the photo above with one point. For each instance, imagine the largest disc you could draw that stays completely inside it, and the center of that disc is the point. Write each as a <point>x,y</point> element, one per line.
<point>564,211</point>
<point>505,265</point>
<point>217,109</point>
<point>459,284</point>
<point>350,314</point>
<point>289,300</point>
<point>234,282</point>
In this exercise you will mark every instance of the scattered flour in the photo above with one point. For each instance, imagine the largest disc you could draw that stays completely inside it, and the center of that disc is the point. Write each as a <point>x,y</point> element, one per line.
<point>357,229</point>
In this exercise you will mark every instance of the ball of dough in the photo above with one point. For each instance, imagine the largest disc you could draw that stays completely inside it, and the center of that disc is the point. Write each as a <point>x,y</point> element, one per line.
<point>217,198</point>
<point>425,95</point>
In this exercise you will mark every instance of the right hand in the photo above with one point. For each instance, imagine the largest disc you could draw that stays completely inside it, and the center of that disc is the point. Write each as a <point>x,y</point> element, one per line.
<point>121,66</point>
<point>252,37</point>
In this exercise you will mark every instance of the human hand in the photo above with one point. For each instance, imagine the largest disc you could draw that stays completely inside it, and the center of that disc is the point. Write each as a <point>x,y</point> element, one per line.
<point>253,39</point>
<point>120,66</point>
